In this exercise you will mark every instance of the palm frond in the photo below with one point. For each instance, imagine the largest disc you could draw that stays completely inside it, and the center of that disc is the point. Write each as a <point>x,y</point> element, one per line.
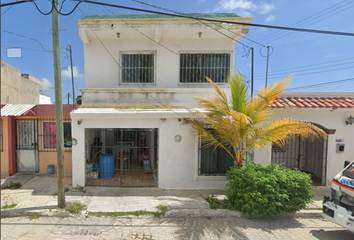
<point>279,131</point>
<point>239,91</point>
<point>257,109</point>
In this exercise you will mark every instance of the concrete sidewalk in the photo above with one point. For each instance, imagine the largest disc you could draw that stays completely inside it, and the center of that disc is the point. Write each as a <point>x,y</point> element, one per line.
<point>37,196</point>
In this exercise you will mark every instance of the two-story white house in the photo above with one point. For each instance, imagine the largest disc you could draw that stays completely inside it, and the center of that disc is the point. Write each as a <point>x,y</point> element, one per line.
<point>142,73</point>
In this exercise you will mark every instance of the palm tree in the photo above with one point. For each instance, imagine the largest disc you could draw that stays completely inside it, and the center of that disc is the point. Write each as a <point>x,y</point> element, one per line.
<point>238,124</point>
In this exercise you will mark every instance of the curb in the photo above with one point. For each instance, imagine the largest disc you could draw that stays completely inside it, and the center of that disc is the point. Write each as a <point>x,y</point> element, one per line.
<point>174,213</point>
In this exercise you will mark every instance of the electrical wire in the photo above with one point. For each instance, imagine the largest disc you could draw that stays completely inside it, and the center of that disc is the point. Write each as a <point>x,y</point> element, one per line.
<point>29,38</point>
<point>43,13</point>
<point>29,49</point>
<point>69,13</point>
<point>7,9</point>
<point>14,3</point>
<point>277,33</point>
<point>173,11</point>
<point>321,84</point>
<point>311,73</point>
<point>273,74</point>
<point>224,21</point>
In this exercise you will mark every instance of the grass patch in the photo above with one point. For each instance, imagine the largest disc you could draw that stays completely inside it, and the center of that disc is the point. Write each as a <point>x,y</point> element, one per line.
<point>12,185</point>
<point>9,206</point>
<point>75,207</point>
<point>215,203</point>
<point>80,188</point>
<point>161,212</point>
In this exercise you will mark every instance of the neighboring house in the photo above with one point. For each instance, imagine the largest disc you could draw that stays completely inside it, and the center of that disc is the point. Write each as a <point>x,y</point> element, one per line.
<point>17,88</point>
<point>322,158</point>
<point>43,99</point>
<point>28,138</point>
<point>142,73</point>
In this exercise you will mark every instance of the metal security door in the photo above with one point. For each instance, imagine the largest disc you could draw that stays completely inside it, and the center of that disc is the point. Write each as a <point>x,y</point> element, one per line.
<point>27,146</point>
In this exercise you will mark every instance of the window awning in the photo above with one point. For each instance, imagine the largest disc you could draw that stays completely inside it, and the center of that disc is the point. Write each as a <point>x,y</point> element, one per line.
<point>15,109</point>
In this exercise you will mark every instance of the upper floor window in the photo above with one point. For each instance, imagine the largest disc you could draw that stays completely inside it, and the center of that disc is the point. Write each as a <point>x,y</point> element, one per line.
<point>138,67</point>
<point>194,67</point>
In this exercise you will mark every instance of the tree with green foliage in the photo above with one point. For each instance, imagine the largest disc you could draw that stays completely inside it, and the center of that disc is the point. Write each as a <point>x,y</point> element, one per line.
<point>240,123</point>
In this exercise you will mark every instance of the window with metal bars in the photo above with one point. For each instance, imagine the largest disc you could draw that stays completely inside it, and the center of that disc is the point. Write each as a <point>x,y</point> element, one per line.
<point>137,67</point>
<point>213,162</point>
<point>49,135</point>
<point>194,67</point>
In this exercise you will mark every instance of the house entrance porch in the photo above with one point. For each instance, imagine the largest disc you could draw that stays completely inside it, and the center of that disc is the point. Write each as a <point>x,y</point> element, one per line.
<point>121,157</point>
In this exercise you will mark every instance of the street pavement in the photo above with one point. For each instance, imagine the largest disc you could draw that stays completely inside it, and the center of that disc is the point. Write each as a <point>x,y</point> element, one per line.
<point>170,228</point>
<point>188,217</point>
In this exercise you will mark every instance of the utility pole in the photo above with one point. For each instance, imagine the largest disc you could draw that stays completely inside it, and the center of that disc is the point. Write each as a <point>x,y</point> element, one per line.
<point>266,80</point>
<point>72,75</point>
<point>252,50</point>
<point>58,105</point>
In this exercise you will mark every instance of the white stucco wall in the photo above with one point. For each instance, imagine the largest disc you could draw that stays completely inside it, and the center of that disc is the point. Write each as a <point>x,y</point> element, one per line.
<point>330,120</point>
<point>177,161</point>
<point>102,71</point>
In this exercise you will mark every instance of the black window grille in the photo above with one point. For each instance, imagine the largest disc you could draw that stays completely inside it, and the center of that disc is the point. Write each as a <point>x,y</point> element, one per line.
<point>194,67</point>
<point>214,162</point>
<point>138,68</point>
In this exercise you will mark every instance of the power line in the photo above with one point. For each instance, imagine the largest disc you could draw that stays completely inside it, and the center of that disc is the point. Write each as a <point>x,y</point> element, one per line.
<point>14,3</point>
<point>30,49</point>
<point>224,21</point>
<point>303,70</point>
<point>7,10</point>
<point>32,39</point>
<point>311,73</point>
<point>298,23</point>
<point>321,84</point>
<point>173,11</point>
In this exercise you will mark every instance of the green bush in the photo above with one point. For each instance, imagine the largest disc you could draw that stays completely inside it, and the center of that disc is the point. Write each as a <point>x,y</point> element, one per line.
<point>267,191</point>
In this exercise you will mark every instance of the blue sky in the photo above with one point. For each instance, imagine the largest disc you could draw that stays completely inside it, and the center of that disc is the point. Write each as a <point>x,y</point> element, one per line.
<point>314,59</point>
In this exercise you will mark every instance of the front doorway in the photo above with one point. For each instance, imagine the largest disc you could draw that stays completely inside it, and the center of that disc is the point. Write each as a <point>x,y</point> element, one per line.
<point>27,145</point>
<point>121,157</point>
<point>307,155</point>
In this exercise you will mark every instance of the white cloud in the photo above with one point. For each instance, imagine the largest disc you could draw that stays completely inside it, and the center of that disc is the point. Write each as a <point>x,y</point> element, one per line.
<point>244,8</point>
<point>266,8</point>
<point>46,84</point>
<point>67,73</point>
<point>236,5</point>
<point>270,18</point>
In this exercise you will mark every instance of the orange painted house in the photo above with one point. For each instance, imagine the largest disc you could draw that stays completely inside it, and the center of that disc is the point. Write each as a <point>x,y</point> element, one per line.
<point>28,138</point>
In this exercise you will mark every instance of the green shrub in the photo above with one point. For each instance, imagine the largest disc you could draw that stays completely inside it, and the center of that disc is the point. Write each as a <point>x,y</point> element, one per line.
<point>12,185</point>
<point>267,191</point>
<point>213,202</point>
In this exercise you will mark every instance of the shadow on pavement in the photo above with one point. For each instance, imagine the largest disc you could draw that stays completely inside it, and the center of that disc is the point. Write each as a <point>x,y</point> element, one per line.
<point>332,234</point>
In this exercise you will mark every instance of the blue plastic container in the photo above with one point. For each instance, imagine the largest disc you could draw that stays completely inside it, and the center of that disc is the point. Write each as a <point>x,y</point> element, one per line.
<point>50,169</point>
<point>106,165</point>
<point>96,167</point>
